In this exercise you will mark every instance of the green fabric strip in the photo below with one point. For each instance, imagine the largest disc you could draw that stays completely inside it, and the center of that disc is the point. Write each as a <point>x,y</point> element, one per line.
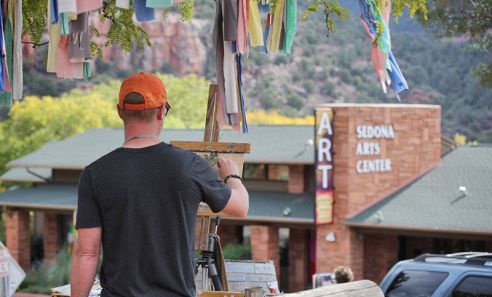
<point>65,27</point>
<point>159,3</point>
<point>291,25</point>
<point>87,70</point>
<point>6,97</point>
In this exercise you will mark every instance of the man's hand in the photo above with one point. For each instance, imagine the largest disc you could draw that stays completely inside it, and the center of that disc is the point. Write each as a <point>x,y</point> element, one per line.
<point>226,167</point>
<point>238,203</point>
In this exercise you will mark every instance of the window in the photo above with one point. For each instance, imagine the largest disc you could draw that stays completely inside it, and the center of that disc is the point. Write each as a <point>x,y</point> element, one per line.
<point>413,283</point>
<point>474,286</point>
<point>266,172</point>
<point>254,171</point>
<point>278,172</point>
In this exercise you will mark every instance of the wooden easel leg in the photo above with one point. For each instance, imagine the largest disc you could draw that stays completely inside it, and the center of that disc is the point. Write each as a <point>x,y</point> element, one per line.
<point>211,133</point>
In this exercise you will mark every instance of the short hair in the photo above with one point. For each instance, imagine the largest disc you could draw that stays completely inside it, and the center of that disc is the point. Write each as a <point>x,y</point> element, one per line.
<point>343,274</point>
<point>142,115</point>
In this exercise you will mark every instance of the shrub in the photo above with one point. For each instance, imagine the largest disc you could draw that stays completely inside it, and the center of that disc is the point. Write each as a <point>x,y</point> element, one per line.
<point>308,86</point>
<point>237,251</point>
<point>42,277</point>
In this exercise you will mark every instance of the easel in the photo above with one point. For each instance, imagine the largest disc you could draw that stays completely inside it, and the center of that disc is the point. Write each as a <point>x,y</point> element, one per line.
<point>211,149</point>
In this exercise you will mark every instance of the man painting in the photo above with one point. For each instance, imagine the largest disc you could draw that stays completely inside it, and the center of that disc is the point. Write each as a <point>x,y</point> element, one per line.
<point>140,202</point>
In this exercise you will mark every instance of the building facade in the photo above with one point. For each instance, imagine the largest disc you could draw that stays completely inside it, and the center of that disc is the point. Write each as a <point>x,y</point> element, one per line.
<point>352,190</point>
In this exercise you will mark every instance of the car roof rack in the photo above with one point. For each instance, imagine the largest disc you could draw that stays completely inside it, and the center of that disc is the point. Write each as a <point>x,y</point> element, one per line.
<point>468,258</point>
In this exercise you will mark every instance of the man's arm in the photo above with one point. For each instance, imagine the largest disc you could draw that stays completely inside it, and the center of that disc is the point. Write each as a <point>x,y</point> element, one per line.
<point>238,203</point>
<point>84,261</point>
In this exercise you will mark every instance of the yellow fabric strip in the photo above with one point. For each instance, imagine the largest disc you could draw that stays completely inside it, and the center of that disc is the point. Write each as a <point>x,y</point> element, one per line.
<point>276,30</point>
<point>54,37</point>
<point>254,25</point>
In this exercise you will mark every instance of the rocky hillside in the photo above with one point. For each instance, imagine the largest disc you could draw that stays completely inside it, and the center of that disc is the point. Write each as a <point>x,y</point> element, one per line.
<point>321,69</point>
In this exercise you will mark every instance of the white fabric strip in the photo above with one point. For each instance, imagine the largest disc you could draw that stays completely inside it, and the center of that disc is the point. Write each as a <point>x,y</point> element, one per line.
<point>67,6</point>
<point>123,4</point>
<point>18,82</point>
<point>230,81</point>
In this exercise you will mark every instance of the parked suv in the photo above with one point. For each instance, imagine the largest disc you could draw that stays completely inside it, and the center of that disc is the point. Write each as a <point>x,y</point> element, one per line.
<point>454,275</point>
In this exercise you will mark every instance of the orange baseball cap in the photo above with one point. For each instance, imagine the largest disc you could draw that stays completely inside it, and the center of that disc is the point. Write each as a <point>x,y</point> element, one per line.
<point>149,86</point>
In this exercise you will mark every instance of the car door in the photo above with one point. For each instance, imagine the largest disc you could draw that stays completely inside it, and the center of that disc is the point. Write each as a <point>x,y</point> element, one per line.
<point>472,284</point>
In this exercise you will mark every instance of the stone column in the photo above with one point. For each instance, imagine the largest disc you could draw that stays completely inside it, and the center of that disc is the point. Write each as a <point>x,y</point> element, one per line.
<point>296,179</point>
<point>265,245</point>
<point>50,237</point>
<point>19,236</point>
<point>298,259</point>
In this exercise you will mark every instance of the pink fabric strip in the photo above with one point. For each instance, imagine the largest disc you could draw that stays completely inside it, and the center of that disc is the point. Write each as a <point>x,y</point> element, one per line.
<point>242,26</point>
<point>88,5</point>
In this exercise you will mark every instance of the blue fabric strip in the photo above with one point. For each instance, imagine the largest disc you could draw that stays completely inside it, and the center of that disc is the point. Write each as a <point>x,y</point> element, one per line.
<point>398,82</point>
<point>264,10</point>
<point>2,66</point>
<point>368,17</point>
<point>54,15</point>
<point>240,84</point>
<point>142,12</point>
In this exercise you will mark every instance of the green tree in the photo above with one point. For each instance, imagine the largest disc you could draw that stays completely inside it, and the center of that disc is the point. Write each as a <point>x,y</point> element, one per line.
<point>38,120</point>
<point>465,18</point>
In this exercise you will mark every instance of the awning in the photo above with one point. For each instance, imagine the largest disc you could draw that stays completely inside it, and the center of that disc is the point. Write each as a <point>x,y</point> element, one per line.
<point>265,207</point>
<point>19,174</point>
<point>45,197</point>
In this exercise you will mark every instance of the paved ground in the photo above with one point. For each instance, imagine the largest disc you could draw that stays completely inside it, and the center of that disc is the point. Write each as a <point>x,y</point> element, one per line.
<point>28,295</point>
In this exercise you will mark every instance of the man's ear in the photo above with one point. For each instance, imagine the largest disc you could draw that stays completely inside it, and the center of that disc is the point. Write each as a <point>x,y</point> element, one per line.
<point>120,114</point>
<point>160,113</point>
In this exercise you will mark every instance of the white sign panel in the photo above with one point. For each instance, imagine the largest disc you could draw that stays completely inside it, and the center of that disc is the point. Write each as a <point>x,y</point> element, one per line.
<point>11,273</point>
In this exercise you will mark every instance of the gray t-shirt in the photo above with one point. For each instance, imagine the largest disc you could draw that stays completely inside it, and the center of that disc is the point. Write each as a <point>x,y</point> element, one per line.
<point>146,201</point>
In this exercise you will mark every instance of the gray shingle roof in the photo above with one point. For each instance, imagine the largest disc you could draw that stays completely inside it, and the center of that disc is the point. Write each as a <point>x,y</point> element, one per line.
<point>53,197</point>
<point>264,206</point>
<point>269,144</point>
<point>19,174</point>
<point>434,201</point>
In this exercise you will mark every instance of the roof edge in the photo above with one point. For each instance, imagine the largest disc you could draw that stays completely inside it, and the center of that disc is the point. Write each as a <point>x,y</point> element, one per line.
<point>379,105</point>
<point>265,219</point>
<point>416,229</point>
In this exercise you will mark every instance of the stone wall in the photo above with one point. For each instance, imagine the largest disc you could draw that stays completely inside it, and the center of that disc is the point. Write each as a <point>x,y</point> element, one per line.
<point>381,254</point>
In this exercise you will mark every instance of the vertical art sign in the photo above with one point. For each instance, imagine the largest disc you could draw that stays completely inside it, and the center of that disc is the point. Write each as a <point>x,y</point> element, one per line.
<point>324,166</point>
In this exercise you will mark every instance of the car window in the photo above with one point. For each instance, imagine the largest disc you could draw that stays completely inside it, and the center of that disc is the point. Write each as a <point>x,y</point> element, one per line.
<point>415,283</point>
<point>474,286</point>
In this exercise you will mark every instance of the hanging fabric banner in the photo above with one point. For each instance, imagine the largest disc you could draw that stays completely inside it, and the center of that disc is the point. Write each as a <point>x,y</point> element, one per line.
<point>159,3</point>
<point>254,25</point>
<point>67,6</point>
<point>17,81</point>
<point>88,5</point>
<point>6,97</point>
<point>125,4</point>
<point>142,12</point>
<point>387,70</point>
